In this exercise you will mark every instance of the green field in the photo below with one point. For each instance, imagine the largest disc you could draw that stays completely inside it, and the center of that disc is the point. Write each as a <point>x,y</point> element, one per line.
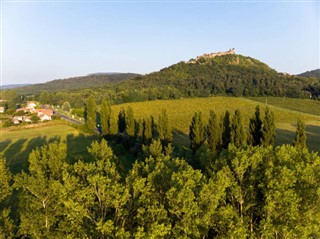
<point>16,143</point>
<point>302,105</point>
<point>181,111</point>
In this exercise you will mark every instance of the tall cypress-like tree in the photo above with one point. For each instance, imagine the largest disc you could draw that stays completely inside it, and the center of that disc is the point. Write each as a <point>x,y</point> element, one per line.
<point>300,141</point>
<point>91,115</point>
<point>122,120</point>
<point>130,123</point>
<point>238,134</point>
<point>164,128</point>
<point>196,134</point>
<point>268,129</point>
<point>226,130</point>
<point>105,112</point>
<point>255,128</point>
<point>213,133</point>
<point>113,124</point>
<point>147,131</point>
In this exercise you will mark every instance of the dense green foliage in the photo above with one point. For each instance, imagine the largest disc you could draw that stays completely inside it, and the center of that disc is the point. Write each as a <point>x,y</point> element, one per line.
<point>236,195</point>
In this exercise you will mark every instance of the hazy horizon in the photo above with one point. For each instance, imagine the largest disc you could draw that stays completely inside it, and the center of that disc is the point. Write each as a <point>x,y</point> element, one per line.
<point>44,41</point>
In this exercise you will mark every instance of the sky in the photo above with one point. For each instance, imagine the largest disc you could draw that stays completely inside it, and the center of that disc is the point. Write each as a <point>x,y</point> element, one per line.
<point>46,40</point>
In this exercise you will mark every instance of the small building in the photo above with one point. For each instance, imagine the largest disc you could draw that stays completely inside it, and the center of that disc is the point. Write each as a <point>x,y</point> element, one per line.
<point>1,109</point>
<point>31,106</point>
<point>44,114</point>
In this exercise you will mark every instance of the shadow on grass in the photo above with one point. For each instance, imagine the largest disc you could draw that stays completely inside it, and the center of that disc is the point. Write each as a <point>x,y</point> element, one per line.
<point>313,137</point>
<point>77,147</point>
<point>4,145</point>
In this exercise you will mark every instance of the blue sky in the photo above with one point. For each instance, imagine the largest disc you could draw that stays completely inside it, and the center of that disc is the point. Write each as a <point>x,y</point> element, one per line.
<point>47,40</point>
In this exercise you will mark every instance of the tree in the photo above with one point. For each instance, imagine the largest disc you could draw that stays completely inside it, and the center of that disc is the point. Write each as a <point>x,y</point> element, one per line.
<point>238,134</point>
<point>129,122</point>
<point>95,197</point>
<point>255,128</point>
<point>147,131</point>
<point>122,121</point>
<point>213,132</point>
<point>113,124</point>
<point>196,133</point>
<point>226,130</point>
<point>6,224</point>
<point>105,113</point>
<point>66,106</point>
<point>164,128</point>
<point>91,114</point>
<point>42,212</point>
<point>268,128</point>
<point>300,138</point>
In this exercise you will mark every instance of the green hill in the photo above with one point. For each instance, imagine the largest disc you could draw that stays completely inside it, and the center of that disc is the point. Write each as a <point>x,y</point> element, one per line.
<point>314,73</point>
<point>233,75</point>
<point>223,75</point>
<point>76,83</point>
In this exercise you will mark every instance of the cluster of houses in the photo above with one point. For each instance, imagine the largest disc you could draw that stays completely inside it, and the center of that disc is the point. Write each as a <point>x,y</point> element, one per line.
<point>43,114</point>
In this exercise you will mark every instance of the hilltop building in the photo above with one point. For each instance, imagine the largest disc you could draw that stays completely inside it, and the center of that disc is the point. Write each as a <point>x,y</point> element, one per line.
<point>212,55</point>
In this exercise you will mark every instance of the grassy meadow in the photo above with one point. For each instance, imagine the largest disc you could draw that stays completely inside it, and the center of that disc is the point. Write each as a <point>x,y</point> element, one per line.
<point>181,111</point>
<point>16,143</point>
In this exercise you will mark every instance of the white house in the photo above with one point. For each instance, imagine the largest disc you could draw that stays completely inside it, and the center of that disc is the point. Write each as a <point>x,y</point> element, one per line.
<point>1,109</point>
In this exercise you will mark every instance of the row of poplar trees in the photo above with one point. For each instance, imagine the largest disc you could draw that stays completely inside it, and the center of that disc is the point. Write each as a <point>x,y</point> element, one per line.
<point>219,134</point>
<point>134,133</point>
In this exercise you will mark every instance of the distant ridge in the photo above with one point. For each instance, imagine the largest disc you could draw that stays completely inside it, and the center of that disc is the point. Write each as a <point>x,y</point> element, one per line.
<point>313,73</point>
<point>77,83</point>
<point>12,86</point>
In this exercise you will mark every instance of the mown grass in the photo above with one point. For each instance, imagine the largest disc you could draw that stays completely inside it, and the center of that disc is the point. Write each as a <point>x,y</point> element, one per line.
<point>181,111</point>
<point>16,143</point>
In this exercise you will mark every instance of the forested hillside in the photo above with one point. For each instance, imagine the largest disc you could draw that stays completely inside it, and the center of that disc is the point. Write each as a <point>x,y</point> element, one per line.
<point>81,82</point>
<point>314,73</point>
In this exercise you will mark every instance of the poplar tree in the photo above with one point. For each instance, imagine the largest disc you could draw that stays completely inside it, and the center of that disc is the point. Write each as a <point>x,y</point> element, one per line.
<point>122,120</point>
<point>91,114</point>
<point>129,122</point>
<point>268,129</point>
<point>226,130</point>
<point>105,112</point>
<point>255,128</point>
<point>196,134</point>
<point>213,133</point>
<point>300,138</point>
<point>147,131</point>
<point>164,128</point>
<point>237,135</point>
<point>113,124</point>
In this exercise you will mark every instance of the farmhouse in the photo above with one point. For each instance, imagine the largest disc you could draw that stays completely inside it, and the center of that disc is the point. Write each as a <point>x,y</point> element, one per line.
<point>1,109</point>
<point>44,114</point>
